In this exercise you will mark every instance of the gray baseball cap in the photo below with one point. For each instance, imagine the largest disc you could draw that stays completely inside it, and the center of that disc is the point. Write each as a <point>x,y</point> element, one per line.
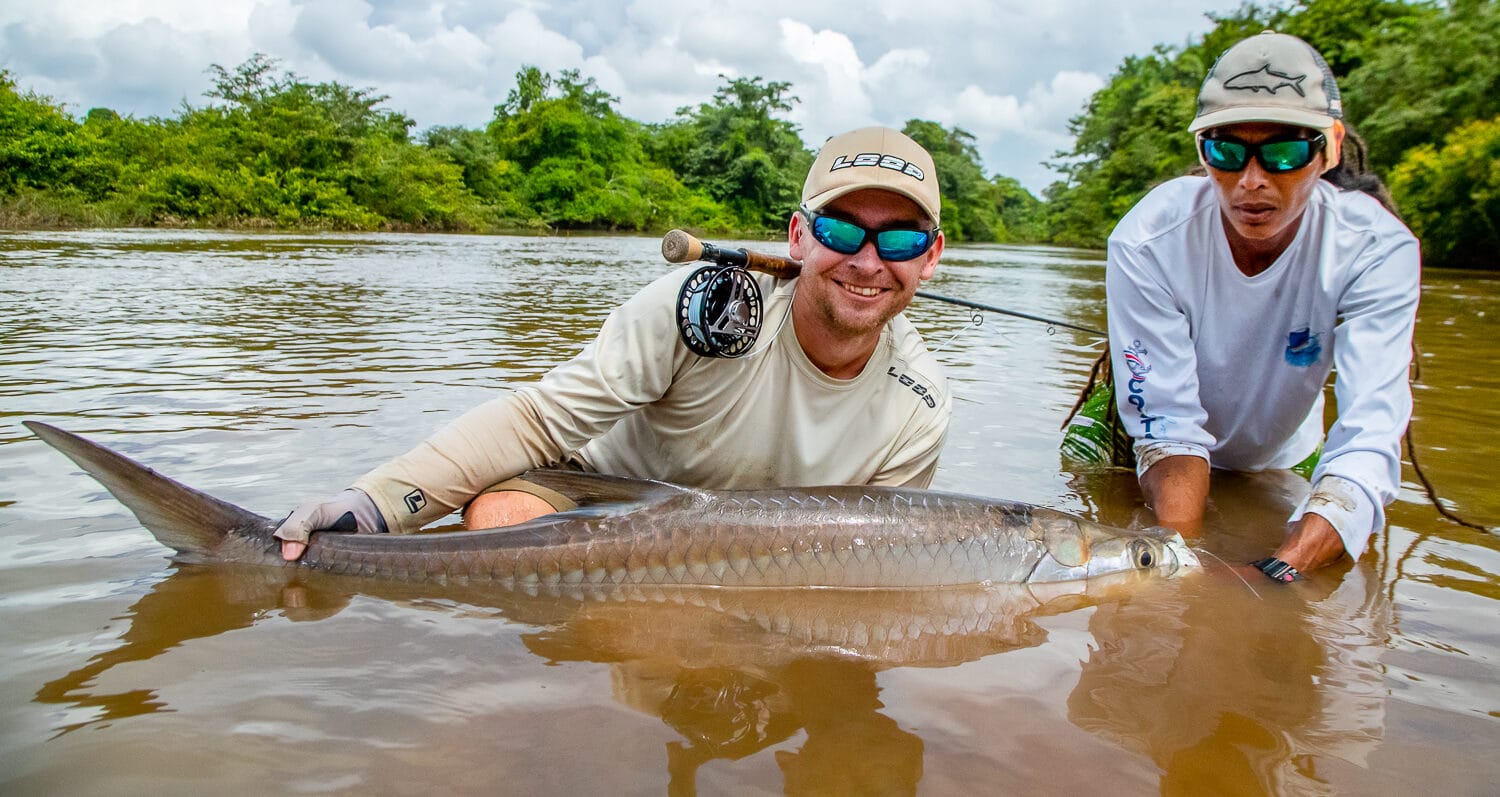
<point>1269,77</point>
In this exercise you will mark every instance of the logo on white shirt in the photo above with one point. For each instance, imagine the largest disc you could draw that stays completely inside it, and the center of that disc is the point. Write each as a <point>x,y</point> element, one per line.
<point>1135,360</point>
<point>1302,347</point>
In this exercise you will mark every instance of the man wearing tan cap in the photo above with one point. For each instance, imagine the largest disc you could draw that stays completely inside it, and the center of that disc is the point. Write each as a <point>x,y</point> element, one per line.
<point>840,390</point>
<point>1232,296</point>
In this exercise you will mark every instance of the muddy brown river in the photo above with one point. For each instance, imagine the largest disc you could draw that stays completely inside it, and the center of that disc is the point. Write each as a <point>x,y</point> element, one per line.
<point>269,368</point>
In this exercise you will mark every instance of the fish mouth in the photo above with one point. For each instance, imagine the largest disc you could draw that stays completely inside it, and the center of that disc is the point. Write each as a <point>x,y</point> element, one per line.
<point>1175,553</point>
<point>1181,555</point>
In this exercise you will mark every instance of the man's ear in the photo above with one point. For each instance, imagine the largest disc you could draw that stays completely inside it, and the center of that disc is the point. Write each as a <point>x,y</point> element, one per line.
<point>1334,152</point>
<point>933,255</point>
<point>794,229</point>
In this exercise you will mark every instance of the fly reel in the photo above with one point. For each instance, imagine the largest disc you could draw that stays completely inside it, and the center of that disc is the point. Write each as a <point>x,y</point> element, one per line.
<point>719,312</point>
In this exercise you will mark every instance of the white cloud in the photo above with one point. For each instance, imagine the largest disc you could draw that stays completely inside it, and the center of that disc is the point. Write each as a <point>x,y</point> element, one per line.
<point>339,33</point>
<point>1011,73</point>
<point>832,84</point>
<point>1042,115</point>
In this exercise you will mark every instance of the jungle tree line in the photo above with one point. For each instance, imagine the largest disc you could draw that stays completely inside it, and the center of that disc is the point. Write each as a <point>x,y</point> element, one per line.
<point>1421,85</point>
<point>271,149</point>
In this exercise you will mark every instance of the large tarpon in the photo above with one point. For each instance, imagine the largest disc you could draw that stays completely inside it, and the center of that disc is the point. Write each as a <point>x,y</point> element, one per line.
<point>629,531</point>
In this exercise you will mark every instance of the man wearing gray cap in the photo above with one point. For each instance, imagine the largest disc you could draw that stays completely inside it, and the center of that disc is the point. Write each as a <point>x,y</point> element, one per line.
<point>842,389</point>
<point>1232,296</point>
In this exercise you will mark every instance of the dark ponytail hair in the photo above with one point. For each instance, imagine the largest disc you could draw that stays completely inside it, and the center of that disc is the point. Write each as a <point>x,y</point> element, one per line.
<point>1353,172</point>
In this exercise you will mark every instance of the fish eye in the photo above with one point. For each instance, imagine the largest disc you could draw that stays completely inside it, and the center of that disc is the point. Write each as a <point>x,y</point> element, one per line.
<point>1143,556</point>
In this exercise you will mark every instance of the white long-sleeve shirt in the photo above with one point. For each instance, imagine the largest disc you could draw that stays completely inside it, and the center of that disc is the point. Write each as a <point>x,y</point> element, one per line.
<point>1211,363</point>
<point>637,402</point>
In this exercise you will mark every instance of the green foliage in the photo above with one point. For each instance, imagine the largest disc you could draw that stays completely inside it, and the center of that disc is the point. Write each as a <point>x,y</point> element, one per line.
<point>976,208</point>
<point>1133,134</point>
<point>1022,215</point>
<point>38,141</point>
<point>1430,75</point>
<point>1420,82</point>
<point>274,150</point>
<point>416,186</point>
<point>1409,73</point>
<point>1349,32</point>
<point>737,151</point>
<point>970,212</point>
<point>1451,196</point>
<point>561,150</point>
<point>270,148</point>
<point>1131,137</point>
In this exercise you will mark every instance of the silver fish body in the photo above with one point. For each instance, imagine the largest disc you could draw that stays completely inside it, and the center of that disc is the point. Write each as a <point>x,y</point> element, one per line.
<point>631,532</point>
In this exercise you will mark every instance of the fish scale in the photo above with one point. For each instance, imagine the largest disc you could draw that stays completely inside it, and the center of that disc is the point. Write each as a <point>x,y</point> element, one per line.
<point>651,533</point>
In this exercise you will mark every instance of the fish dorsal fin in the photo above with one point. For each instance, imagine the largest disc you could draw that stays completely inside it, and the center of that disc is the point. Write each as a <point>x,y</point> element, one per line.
<point>591,490</point>
<point>598,497</point>
<point>183,519</point>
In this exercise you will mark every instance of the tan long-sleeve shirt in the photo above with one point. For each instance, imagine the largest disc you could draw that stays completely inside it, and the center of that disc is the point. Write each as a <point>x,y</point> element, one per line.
<point>637,402</point>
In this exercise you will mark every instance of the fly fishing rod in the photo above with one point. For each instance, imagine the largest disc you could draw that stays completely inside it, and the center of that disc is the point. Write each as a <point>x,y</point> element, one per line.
<point>719,309</point>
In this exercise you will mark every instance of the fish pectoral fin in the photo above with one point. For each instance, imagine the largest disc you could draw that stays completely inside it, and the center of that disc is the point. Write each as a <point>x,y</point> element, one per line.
<point>1065,541</point>
<point>596,489</point>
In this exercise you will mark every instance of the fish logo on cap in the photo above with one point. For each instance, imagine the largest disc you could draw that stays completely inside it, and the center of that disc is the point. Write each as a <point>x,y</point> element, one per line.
<point>1265,79</point>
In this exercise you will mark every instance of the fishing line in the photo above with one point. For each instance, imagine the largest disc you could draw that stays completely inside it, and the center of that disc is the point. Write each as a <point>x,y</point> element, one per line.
<point>1051,323</point>
<point>1411,454</point>
<point>975,321</point>
<point>1236,573</point>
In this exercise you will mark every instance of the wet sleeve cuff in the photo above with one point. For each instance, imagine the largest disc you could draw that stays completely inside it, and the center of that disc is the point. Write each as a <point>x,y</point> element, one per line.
<point>1150,452</point>
<point>1347,507</point>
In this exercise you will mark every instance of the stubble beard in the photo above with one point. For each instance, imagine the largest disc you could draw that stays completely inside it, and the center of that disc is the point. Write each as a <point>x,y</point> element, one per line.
<point>848,324</point>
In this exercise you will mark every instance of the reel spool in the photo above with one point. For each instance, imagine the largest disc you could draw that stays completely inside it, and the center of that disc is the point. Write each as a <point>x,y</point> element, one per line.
<point>719,312</point>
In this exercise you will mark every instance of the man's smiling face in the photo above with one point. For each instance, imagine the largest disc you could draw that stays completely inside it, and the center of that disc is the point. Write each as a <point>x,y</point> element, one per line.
<point>842,296</point>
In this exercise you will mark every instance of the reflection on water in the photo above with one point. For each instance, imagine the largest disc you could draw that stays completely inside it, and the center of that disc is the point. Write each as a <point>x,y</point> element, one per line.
<point>1261,709</point>
<point>264,368</point>
<point>731,672</point>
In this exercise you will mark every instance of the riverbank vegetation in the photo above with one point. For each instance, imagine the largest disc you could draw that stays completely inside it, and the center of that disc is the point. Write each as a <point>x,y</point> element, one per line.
<point>268,149</point>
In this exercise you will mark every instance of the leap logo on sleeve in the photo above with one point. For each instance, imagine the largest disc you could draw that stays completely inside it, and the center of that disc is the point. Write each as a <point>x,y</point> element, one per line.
<point>918,388</point>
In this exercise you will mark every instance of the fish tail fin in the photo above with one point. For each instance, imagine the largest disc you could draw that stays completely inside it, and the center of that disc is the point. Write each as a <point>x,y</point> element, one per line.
<point>181,518</point>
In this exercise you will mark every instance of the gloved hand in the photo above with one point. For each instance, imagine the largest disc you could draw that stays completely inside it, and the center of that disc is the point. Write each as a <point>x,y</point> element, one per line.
<point>350,510</point>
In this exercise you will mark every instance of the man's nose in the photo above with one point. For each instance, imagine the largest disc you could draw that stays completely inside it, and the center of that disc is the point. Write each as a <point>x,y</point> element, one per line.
<point>867,257</point>
<point>1254,175</point>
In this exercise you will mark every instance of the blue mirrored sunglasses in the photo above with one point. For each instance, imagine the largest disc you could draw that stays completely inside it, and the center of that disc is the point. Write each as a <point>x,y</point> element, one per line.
<point>846,237</point>
<point>1284,155</point>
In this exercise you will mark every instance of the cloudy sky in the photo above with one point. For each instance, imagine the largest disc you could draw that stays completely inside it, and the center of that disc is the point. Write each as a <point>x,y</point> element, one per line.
<point>1009,72</point>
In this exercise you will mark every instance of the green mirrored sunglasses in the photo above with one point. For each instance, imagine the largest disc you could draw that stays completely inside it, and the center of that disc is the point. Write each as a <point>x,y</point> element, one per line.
<point>846,237</point>
<point>1228,154</point>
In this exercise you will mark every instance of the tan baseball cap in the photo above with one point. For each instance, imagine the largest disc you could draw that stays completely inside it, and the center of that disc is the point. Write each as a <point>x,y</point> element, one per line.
<point>1269,77</point>
<point>873,157</point>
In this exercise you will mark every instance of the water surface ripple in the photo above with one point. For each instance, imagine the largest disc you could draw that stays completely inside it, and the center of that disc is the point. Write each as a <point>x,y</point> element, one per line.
<point>266,368</point>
